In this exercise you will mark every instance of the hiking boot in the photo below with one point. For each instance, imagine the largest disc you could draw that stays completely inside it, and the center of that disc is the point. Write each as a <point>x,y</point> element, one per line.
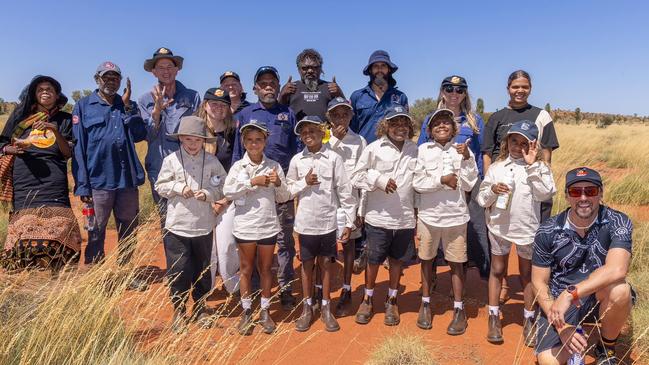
<point>425,318</point>
<point>179,322</point>
<point>458,323</point>
<point>360,263</point>
<point>391,312</point>
<point>495,329</point>
<point>246,324</point>
<point>266,322</point>
<point>331,325</point>
<point>344,305</point>
<point>317,298</point>
<point>605,356</point>
<point>138,284</point>
<point>529,332</point>
<point>287,300</point>
<point>365,311</point>
<point>303,323</point>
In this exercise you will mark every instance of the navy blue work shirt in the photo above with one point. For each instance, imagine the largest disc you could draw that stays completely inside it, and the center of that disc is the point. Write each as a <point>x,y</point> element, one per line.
<point>368,111</point>
<point>282,143</point>
<point>104,150</point>
<point>159,145</point>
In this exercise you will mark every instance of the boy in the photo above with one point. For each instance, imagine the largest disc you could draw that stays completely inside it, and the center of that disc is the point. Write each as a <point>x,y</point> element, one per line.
<point>318,178</point>
<point>190,180</point>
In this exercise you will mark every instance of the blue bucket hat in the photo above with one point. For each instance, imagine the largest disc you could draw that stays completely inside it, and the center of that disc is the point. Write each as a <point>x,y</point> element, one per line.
<point>526,129</point>
<point>379,56</point>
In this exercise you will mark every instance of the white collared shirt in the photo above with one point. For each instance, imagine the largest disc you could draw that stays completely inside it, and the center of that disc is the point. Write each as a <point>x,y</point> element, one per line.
<point>255,214</point>
<point>380,162</point>
<point>317,204</point>
<point>533,184</point>
<point>190,217</point>
<point>350,148</point>
<point>439,205</point>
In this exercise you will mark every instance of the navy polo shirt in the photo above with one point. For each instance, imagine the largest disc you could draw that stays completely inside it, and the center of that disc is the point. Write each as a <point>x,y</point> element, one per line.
<point>368,111</point>
<point>282,143</point>
<point>104,151</point>
<point>572,259</point>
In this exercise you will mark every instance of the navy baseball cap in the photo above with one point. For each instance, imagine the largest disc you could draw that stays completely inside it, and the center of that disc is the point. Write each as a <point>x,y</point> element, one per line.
<point>395,111</point>
<point>379,56</point>
<point>454,80</point>
<point>583,174</point>
<point>254,124</point>
<point>218,94</point>
<point>313,119</point>
<point>338,101</point>
<point>229,74</point>
<point>266,70</point>
<point>526,129</point>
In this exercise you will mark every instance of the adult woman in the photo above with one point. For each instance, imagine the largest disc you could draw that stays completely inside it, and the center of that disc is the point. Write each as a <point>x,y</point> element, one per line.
<point>454,95</point>
<point>43,230</point>
<point>519,86</point>
<point>215,110</point>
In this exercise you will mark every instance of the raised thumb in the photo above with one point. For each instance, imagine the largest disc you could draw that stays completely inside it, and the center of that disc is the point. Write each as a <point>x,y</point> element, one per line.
<point>333,79</point>
<point>290,79</point>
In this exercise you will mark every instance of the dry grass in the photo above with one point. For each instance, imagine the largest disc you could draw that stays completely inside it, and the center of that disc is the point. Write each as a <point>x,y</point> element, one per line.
<point>402,349</point>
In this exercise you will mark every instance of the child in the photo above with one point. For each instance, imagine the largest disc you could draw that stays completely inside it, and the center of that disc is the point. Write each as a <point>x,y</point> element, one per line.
<point>385,170</point>
<point>190,180</point>
<point>349,146</point>
<point>317,177</point>
<point>445,173</point>
<point>512,191</point>
<point>255,184</point>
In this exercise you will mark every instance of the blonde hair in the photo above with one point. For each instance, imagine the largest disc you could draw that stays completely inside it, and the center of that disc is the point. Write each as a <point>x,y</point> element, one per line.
<point>211,147</point>
<point>465,107</point>
<point>382,128</point>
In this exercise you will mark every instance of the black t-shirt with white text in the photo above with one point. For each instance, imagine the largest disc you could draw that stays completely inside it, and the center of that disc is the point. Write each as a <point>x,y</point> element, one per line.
<point>305,102</point>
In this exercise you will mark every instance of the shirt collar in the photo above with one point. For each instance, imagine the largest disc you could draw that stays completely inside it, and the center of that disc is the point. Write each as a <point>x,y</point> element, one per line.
<point>259,106</point>
<point>386,141</point>
<point>94,98</point>
<point>562,219</point>
<point>247,161</point>
<point>306,153</point>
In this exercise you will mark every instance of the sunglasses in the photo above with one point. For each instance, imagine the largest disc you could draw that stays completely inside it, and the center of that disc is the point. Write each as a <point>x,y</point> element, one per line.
<point>457,89</point>
<point>577,192</point>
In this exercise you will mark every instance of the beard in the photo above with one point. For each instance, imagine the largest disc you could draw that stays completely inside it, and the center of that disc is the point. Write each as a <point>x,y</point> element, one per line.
<point>268,99</point>
<point>311,84</point>
<point>379,80</point>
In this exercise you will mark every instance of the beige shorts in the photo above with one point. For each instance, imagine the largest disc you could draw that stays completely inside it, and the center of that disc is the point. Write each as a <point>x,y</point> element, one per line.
<point>453,242</point>
<point>502,247</point>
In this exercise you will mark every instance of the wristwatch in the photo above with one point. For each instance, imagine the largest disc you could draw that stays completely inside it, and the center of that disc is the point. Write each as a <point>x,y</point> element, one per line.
<point>572,290</point>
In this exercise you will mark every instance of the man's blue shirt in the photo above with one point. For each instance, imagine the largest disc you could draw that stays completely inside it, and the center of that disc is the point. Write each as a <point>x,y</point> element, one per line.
<point>368,111</point>
<point>104,150</point>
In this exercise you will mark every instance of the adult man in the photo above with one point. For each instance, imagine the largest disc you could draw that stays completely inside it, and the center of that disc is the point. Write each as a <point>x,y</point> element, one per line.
<point>231,83</point>
<point>161,110</point>
<point>105,167</point>
<point>580,261</point>
<point>310,95</point>
<point>371,102</point>
<point>281,146</point>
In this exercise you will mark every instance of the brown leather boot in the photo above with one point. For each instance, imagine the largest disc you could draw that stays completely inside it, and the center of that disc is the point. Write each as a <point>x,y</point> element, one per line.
<point>494,329</point>
<point>266,322</point>
<point>331,325</point>
<point>344,306</point>
<point>246,324</point>
<point>303,323</point>
<point>425,318</point>
<point>391,312</point>
<point>458,323</point>
<point>365,311</point>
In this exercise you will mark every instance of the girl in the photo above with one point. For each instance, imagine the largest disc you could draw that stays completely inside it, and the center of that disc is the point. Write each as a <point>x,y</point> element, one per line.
<point>512,191</point>
<point>445,173</point>
<point>255,184</point>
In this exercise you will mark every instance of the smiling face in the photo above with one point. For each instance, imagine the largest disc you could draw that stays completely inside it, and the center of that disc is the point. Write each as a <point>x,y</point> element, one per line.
<point>452,98</point>
<point>340,116</point>
<point>442,129</point>
<point>46,94</point>
<point>191,144</point>
<point>519,90</point>
<point>109,83</point>
<point>516,144</point>
<point>254,141</point>
<point>267,88</point>
<point>216,110</point>
<point>586,207</point>
<point>398,128</point>
<point>232,86</point>
<point>165,71</point>
<point>311,135</point>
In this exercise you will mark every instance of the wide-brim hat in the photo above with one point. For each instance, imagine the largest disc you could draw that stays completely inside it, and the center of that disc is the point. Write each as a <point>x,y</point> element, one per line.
<point>162,53</point>
<point>192,126</point>
<point>60,101</point>
<point>313,119</point>
<point>379,56</point>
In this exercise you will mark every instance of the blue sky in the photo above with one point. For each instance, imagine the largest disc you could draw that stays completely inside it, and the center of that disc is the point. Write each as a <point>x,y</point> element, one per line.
<point>588,54</point>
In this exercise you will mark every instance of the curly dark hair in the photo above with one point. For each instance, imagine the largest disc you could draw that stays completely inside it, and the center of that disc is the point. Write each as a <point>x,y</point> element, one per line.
<point>308,53</point>
<point>382,128</point>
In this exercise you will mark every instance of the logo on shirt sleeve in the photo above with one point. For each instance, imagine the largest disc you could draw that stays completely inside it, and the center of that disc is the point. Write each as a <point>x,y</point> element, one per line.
<point>215,180</point>
<point>282,117</point>
<point>75,119</point>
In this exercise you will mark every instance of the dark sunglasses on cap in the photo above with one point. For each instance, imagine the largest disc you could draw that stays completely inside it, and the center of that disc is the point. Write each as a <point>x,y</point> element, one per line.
<point>457,89</point>
<point>577,191</point>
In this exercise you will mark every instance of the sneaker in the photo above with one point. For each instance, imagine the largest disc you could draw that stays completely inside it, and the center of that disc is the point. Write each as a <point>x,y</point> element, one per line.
<point>605,356</point>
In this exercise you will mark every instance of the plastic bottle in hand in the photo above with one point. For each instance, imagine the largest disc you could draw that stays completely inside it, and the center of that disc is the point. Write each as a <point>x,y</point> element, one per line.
<point>503,200</point>
<point>90,221</point>
<point>577,358</point>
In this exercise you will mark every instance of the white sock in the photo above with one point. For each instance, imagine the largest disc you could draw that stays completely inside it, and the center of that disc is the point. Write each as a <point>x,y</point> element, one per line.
<point>309,301</point>
<point>458,305</point>
<point>347,287</point>
<point>494,309</point>
<point>325,302</point>
<point>425,299</point>
<point>393,292</point>
<point>246,303</point>
<point>369,292</point>
<point>265,303</point>
<point>318,286</point>
<point>528,314</point>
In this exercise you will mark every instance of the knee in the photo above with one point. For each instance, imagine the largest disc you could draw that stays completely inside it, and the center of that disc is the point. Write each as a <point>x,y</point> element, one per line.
<point>616,294</point>
<point>546,358</point>
<point>497,269</point>
<point>245,269</point>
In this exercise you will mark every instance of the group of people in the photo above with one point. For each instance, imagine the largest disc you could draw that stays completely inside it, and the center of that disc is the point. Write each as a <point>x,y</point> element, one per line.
<point>234,179</point>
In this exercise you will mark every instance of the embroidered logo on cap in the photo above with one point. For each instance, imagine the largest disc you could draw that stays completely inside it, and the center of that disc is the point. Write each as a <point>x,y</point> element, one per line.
<point>340,99</point>
<point>582,172</point>
<point>163,50</point>
<point>525,126</point>
<point>109,65</point>
<point>228,73</point>
<point>455,80</point>
<point>398,109</point>
<point>218,92</point>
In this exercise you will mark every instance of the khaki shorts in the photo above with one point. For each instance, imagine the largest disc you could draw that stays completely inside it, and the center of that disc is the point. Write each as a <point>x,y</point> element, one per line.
<point>453,242</point>
<point>502,247</point>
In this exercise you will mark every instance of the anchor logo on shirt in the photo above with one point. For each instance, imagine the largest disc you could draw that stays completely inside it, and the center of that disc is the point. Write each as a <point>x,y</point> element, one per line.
<point>583,269</point>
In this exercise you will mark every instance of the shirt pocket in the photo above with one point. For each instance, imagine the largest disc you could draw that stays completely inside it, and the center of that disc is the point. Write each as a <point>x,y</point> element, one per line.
<point>325,177</point>
<point>384,166</point>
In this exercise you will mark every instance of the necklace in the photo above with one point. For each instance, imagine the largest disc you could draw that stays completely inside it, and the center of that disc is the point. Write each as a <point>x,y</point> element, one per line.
<point>578,227</point>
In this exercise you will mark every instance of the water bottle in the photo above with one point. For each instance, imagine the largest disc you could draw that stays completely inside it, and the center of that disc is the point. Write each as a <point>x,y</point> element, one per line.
<point>577,358</point>
<point>503,200</point>
<point>90,221</point>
